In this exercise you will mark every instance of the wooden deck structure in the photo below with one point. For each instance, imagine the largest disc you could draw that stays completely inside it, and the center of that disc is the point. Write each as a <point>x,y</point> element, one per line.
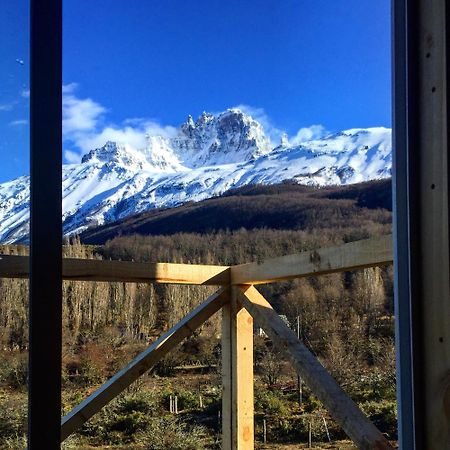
<point>241,304</point>
<point>421,111</point>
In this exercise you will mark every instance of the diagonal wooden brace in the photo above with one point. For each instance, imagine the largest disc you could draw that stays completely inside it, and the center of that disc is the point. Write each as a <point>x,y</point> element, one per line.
<point>341,407</point>
<point>143,362</point>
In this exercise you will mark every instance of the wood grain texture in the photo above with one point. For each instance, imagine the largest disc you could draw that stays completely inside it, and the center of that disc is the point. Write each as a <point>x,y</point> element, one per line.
<point>227,392</point>
<point>242,375</point>
<point>13,266</point>
<point>237,377</point>
<point>357,426</point>
<point>143,362</point>
<point>351,256</point>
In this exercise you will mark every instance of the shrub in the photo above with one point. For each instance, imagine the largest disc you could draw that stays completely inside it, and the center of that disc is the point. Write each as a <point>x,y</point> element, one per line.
<point>144,402</point>
<point>383,414</point>
<point>168,433</point>
<point>13,421</point>
<point>14,370</point>
<point>14,443</point>
<point>166,366</point>
<point>374,385</point>
<point>270,403</point>
<point>122,418</point>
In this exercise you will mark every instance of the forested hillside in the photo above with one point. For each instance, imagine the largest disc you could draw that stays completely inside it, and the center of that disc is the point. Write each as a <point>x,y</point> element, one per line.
<point>283,207</point>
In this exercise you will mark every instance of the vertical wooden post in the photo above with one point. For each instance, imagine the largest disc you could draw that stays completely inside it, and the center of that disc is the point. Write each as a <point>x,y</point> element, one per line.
<point>299,379</point>
<point>309,435</point>
<point>237,377</point>
<point>226,378</point>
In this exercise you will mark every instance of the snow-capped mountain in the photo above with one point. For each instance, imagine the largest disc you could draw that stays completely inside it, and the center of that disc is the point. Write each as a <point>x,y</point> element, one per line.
<point>205,158</point>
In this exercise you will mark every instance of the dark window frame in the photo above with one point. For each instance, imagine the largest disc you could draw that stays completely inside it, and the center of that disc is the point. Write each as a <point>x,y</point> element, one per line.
<point>46,224</point>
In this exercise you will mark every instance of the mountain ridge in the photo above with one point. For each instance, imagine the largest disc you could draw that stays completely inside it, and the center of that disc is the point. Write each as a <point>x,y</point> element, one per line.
<point>202,159</point>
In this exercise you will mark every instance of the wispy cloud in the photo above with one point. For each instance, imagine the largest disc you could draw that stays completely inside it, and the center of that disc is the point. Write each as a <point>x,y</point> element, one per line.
<point>276,134</point>
<point>307,134</point>
<point>72,157</point>
<point>134,136</point>
<point>7,106</point>
<point>84,125</point>
<point>79,115</point>
<point>18,122</point>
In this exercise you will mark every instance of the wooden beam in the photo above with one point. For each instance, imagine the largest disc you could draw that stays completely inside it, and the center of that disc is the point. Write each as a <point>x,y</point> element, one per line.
<point>351,256</point>
<point>227,390</point>
<point>354,255</point>
<point>143,362</point>
<point>237,376</point>
<point>13,266</point>
<point>357,426</point>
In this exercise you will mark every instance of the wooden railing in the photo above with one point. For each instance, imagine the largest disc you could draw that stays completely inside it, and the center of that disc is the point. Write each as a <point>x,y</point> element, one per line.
<point>240,302</point>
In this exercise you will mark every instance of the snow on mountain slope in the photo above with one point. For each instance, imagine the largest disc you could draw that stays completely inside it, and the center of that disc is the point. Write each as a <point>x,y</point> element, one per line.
<point>206,158</point>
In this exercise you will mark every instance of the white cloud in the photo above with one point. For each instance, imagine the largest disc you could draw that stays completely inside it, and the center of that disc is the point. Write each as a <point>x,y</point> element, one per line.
<point>79,115</point>
<point>72,157</point>
<point>83,125</point>
<point>69,88</point>
<point>25,93</point>
<point>307,134</point>
<point>134,136</point>
<point>155,129</point>
<point>7,106</point>
<point>19,122</point>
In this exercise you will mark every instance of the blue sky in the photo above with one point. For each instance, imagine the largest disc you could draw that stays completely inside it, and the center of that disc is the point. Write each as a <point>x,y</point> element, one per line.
<point>131,67</point>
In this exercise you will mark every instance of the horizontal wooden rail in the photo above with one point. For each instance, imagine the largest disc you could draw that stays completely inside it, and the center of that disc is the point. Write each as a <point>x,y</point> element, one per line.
<point>143,362</point>
<point>341,407</point>
<point>13,266</point>
<point>351,256</point>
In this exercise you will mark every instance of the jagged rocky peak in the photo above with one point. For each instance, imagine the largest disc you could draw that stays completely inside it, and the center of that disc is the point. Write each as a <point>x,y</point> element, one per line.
<point>101,153</point>
<point>231,136</point>
<point>191,127</point>
<point>114,152</point>
<point>202,159</point>
<point>228,137</point>
<point>235,121</point>
<point>205,118</point>
<point>188,127</point>
<point>243,133</point>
